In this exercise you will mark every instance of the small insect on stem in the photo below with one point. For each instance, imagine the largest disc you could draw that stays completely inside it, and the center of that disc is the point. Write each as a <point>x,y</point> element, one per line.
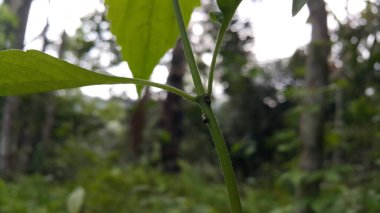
<point>207,99</point>
<point>204,119</point>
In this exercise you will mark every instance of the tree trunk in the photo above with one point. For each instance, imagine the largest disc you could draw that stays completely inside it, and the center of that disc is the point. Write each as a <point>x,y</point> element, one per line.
<point>48,123</point>
<point>7,132</point>
<point>173,113</point>
<point>137,125</point>
<point>21,9</point>
<point>339,123</point>
<point>313,117</point>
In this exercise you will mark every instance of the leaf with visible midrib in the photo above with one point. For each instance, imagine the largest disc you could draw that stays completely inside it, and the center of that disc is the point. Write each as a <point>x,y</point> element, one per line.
<point>145,30</point>
<point>33,71</point>
<point>297,6</point>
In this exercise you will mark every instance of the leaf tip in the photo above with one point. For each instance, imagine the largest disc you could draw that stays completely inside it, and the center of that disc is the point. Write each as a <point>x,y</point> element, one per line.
<point>297,6</point>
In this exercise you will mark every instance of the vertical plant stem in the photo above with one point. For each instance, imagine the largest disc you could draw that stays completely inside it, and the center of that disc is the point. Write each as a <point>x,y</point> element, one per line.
<point>220,145</point>
<point>224,158</point>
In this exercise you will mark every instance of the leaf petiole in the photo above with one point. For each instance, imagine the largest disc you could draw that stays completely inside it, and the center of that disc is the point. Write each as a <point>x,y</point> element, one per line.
<point>219,39</point>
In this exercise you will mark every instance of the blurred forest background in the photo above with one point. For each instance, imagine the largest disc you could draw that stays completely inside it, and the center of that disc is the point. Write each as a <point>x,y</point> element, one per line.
<point>299,141</point>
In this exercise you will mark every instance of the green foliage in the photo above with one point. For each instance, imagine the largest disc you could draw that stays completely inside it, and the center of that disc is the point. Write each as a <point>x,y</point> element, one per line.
<point>149,190</point>
<point>145,30</point>
<point>297,6</point>
<point>130,190</point>
<point>32,71</point>
<point>32,194</point>
<point>7,18</point>
<point>8,22</point>
<point>144,189</point>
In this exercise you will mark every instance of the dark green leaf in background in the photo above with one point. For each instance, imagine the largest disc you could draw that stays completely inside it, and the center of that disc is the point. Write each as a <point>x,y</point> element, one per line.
<point>297,6</point>
<point>145,30</point>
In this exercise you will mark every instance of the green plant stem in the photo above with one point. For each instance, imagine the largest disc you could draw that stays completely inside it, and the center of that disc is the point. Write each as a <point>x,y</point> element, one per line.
<point>188,50</point>
<point>220,145</point>
<point>168,88</point>
<point>224,158</point>
<point>222,31</point>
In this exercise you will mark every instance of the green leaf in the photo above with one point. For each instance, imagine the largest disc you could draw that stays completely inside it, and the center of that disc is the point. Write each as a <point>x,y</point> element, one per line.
<point>228,7</point>
<point>145,30</point>
<point>297,6</point>
<point>33,71</point>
